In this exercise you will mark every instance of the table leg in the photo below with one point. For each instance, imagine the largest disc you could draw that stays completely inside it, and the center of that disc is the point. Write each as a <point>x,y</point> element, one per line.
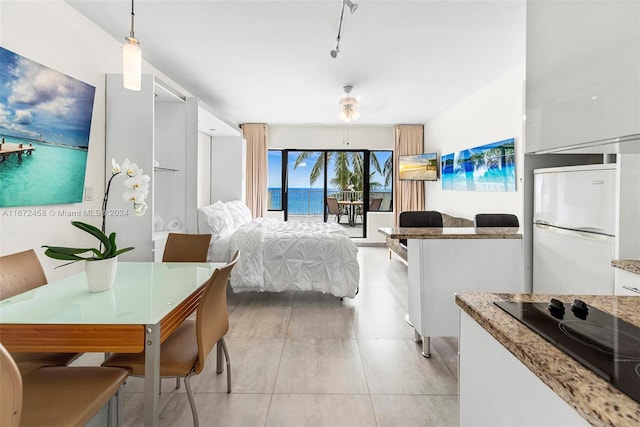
<point>151,374</point>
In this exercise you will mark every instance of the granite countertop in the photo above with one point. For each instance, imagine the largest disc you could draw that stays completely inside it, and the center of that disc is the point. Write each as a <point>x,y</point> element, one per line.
<point>632,265</point>
<point>452,233</point>
<point>597,401</point>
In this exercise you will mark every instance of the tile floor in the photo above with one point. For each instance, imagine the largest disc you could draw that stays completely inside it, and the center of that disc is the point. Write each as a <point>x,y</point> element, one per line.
<point>308,359</point>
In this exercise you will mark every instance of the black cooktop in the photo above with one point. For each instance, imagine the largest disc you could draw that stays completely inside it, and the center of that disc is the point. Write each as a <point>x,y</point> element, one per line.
<point>605,344</point>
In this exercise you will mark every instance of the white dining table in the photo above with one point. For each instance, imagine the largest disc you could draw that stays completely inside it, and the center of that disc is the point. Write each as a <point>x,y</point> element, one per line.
<point>148,301</point>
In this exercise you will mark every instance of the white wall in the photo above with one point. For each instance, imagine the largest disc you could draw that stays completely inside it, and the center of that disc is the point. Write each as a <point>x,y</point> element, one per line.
<point>56,35</point>
<point>331,137</point>
<point>492,114</point>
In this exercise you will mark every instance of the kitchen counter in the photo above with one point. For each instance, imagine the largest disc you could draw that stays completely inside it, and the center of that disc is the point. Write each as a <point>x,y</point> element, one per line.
<point>452,233</point>
<point>631,265</point>
<point>595,400</point>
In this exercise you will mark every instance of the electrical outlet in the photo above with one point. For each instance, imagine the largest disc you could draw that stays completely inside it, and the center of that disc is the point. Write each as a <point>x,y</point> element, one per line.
<point>88,193</point>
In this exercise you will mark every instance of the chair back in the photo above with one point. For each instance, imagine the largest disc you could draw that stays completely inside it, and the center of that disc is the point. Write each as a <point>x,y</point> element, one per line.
<point>375,204</point>
<point>20,272</point>
<point>497,220</point>
<point>186,247</point>
<point>419,219</point>
<point>212,319</point>
<point>332,204</point>
<point>10,390</point>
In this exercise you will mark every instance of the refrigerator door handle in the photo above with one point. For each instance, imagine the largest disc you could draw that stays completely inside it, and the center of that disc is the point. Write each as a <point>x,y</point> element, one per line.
<point>586,232</point>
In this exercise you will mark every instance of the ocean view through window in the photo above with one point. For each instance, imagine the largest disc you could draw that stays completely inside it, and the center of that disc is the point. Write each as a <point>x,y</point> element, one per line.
<point>306,196</point>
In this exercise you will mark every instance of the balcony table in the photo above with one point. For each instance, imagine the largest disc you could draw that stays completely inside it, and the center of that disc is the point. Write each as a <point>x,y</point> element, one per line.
<point>147,303</point>
<point>351,205</point>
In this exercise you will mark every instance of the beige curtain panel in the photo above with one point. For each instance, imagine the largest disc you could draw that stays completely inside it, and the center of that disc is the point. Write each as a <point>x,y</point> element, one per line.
<point>407,195</point>
<point>256,174</point>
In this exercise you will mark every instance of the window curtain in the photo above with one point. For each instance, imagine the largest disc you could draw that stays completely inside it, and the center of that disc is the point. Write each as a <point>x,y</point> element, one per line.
<point>256,172</point>
<point>407,195</point>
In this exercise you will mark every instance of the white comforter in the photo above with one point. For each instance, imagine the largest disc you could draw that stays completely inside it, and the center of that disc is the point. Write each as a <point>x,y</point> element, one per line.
<point>277,256</point>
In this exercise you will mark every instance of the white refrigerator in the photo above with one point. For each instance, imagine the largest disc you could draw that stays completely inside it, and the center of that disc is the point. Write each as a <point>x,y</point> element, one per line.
<point>574,230</point>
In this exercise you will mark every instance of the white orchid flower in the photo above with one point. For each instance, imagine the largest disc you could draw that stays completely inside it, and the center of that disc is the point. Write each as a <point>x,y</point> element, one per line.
<point>115,168</point>
<point>133,196</point>
<point>131,169</point>
<point>138,183</point>
<point>140,208</point>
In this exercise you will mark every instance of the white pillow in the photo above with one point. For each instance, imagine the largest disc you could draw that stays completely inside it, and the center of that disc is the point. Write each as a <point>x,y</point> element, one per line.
<point>239,212</point>
<point>215,219</point>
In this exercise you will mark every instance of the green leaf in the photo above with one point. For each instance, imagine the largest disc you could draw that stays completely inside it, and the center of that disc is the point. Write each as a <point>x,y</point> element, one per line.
<point>121,251</point>
<point>62,256</point>
<point>98,234</point>
<point>64,250</point>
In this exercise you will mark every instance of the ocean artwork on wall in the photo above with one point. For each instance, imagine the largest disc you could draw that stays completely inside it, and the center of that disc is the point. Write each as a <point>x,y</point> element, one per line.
<point>45,121</point>
<point>490,167</point>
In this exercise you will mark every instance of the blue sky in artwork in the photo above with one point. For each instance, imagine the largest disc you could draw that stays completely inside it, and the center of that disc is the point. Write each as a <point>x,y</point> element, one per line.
<point>37,102</point>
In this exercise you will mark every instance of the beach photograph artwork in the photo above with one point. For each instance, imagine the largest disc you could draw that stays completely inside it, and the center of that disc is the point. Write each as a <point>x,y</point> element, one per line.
<point>418,167</point>
<point>490,167</point>
<point>45,121</point>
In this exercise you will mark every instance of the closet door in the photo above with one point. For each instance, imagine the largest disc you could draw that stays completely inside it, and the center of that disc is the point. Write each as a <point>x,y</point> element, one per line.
<point>204,169</point>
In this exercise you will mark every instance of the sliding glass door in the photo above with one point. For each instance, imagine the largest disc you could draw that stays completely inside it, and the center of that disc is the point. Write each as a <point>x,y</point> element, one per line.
<point>332,186</point>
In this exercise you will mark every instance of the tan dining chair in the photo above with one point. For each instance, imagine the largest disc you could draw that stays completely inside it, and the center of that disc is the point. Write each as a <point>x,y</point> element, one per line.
<point>334,208</point>
<point>186,247</point>
<point>21,272</point>
<point>54,395</point>
<point>185,351</point>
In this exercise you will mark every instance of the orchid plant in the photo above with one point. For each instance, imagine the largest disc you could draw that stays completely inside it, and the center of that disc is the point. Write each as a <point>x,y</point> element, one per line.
<point>136,191</point>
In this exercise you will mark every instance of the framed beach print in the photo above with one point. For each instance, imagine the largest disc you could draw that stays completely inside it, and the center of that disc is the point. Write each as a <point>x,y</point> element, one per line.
<point>490,167</point>
<point>418,167</point>
<point>45,121</point>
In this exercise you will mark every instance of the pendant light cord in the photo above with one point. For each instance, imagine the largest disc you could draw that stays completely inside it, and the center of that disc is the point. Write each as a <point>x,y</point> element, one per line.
<point>132,34</point>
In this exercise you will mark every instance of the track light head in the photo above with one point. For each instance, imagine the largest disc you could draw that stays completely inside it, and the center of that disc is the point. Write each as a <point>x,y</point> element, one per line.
<point>352,6</point>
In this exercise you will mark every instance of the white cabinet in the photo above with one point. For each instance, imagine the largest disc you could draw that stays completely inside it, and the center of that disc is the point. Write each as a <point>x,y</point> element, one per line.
<point>583,73</point>
<point>146,126</point>
<point>496,389</point>
<point>627,283</point>
<point>440,268</point>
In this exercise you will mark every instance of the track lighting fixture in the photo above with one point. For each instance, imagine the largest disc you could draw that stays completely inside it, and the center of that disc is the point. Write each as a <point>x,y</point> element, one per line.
<point>131,60</point>
<point>352,8</point>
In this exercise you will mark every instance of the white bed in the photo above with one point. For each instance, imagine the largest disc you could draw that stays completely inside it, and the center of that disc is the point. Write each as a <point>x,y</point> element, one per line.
<point>277,256</point>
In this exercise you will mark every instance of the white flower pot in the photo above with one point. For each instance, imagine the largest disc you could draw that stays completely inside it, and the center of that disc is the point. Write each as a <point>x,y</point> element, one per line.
<point>101,273</point>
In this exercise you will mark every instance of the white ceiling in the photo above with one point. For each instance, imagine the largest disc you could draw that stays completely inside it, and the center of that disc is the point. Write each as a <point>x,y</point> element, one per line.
<point>269,62</point>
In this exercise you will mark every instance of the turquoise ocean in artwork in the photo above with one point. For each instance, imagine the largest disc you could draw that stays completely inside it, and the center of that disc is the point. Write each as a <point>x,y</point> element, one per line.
<point>53,174</point>
<point>490,167</point>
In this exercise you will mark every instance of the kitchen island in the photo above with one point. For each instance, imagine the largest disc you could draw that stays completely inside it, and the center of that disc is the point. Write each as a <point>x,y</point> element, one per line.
<point>444,261</point>
<point>510,375</point>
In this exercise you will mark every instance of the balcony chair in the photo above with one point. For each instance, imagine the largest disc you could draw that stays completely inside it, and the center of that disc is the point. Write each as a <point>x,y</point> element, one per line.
<point>185,351</point>
<point>497,220</point>
<point>20,272</point>
<point>334,208</point>
<point>374,206</point>
<point>186,247</point>
<point>55,395</point>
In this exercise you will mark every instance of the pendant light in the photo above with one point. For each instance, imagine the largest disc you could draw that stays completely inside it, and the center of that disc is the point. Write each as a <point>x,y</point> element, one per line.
<point>131,60</point>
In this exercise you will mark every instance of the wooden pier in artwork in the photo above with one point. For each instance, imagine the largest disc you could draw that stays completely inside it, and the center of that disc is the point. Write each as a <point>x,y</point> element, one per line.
<point>9,148</point>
